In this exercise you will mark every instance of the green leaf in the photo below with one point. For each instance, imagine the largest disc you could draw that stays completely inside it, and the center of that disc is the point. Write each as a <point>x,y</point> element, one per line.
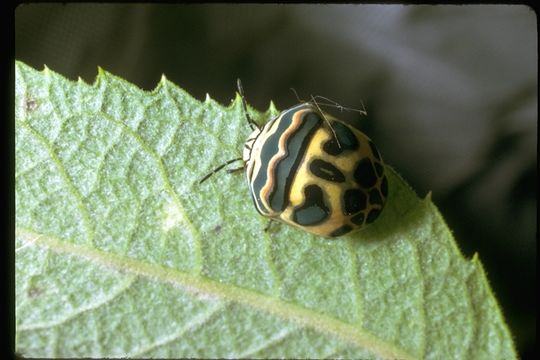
<point>121,253</point>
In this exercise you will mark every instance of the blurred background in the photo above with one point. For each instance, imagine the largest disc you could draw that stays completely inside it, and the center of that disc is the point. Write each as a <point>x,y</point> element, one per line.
<point>451,94</point>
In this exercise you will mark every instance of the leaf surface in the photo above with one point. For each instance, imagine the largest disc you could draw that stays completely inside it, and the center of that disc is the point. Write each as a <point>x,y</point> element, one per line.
<point>121,253</point>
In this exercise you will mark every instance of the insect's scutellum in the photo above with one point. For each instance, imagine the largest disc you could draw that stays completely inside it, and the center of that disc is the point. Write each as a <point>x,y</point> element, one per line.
<point>311,170</point>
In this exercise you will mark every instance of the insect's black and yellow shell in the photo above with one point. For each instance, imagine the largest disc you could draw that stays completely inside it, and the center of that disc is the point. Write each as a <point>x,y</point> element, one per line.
<point>299,174</point>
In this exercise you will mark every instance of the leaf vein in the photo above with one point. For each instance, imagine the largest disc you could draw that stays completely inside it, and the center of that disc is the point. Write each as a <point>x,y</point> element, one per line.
<point>101,163</point>
<point>67,180</point>
<point>355,282</point>
<point>474,314</point>
<point>120,290</point>
<point>195,235</point>
<point>272,341</point>
<point>195,323</point>
<point>417,261</point>
<point>202,285</point>
<point>276,280</point>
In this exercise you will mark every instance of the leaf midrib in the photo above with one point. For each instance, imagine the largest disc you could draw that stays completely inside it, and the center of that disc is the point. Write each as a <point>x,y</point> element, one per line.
<point>203,285</point>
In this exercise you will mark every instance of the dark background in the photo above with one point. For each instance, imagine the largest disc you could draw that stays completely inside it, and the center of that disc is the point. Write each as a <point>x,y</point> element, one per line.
<point>451,93</point>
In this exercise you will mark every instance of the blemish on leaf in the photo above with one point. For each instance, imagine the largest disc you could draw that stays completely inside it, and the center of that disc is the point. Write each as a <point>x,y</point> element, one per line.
<point>35,292</point>
<point>172,216</point>
<point>31,104</point>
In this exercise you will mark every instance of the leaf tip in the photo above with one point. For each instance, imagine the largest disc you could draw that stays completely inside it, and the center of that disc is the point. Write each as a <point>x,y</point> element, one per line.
<point>162,84</point>
<point>101,71</point>
<point>272,107</point>
<point>163,80</point>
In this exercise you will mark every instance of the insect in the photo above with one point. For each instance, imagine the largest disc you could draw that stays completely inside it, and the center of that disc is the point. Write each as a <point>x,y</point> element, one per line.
<point>311,170</point>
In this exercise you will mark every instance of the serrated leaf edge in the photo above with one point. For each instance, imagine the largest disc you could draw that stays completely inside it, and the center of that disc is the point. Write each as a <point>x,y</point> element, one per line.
<point>199,284</point>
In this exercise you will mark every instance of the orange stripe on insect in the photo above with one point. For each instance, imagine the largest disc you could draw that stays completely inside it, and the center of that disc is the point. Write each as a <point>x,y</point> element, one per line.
<point>282,153</point>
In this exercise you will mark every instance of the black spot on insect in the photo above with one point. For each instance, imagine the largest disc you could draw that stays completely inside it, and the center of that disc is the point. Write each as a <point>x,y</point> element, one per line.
<point>331,147</point>
<point>373,214</point>
<point>313,211</point>
<point>326,171</point>
<point>341,231</point>
<point>384,187</point>
<point>358,219</point>
<point>375,197</point>
<point>379,169</point>
<point>364,173</point>
<point>31,104</point>
<point>346,138</point>
<point>374,150</point>
<point>354,200</point>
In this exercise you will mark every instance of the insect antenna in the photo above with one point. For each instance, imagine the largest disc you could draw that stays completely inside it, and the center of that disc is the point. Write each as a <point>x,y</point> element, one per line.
<point>334,104</point>
<point>218,169</point>
<point>325,119</point>
<point>252,124</point>
<point>297,97</point>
